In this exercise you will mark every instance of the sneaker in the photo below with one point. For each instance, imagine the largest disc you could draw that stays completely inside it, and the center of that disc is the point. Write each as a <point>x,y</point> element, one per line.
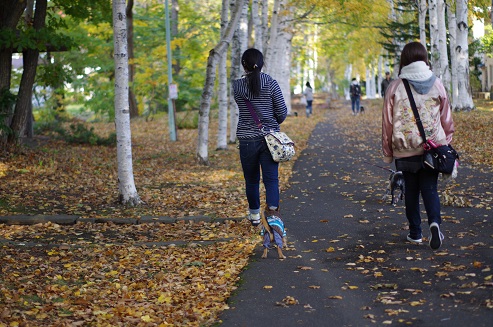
<point>436,237</point>
<point>254,218</point>
<point>418,240</point>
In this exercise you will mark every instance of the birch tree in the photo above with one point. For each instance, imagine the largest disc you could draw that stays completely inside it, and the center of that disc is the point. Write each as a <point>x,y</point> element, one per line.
<point>210,77</point>
<point>239,45</point>
<point>222,132</point>
<point>432,13</point>
<point>464,96</point>
<point>277,54</point>
<point>444,69</point>
<point>422,22</point>
<point>257,26</point>
<point>452,27</point>
<point>126,186</point>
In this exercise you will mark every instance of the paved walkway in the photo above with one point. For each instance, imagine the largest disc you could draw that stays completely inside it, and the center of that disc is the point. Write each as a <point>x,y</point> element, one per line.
<point>350,263</point>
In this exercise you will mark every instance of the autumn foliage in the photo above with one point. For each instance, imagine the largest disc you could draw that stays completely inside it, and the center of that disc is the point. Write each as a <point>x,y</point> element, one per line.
<point>104,274</point>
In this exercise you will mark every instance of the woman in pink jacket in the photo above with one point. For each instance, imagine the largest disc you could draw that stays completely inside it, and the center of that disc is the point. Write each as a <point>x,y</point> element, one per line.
<point>401,138</point>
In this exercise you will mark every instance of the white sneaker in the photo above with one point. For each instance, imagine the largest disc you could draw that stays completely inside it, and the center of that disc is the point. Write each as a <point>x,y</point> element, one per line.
<point>412,240</point>
<point>436,237</point>
<point>254,218</point>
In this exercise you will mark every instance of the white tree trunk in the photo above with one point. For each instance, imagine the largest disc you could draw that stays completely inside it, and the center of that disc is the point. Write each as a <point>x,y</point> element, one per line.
<point>270,50</point>
<point>347,73</point>
<point>257,26</point>
<point>444,72</point>
<point>210,77</point>
<point>265,24</point>
<point>433,13</point>
<point>222,96</point>
<point>281,61</point>
<point>239,45</point>
<point>380,74</point>
<point>464,98</point>
<point>126,186</point>
<point>422,22</point>
<point>452,26</point>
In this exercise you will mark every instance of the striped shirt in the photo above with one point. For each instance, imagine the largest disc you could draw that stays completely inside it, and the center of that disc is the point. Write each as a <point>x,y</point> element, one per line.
<point>269,106</point>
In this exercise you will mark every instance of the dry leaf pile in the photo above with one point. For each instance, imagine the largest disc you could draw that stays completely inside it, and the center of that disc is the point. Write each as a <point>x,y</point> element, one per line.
<point>133,275</point>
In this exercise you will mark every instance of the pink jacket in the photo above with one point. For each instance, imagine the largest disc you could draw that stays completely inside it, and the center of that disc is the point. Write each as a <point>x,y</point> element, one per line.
<point>400,134</point>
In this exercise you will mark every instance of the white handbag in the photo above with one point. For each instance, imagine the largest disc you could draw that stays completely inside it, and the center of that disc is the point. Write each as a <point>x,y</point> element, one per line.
<point>281,147</point>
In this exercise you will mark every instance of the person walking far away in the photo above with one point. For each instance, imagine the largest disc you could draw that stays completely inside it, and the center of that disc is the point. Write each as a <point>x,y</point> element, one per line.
<point>309,99</point>
<point>386,83</point>
<point>401,138</point>
<point>267,100</point>
<point>355,94</point>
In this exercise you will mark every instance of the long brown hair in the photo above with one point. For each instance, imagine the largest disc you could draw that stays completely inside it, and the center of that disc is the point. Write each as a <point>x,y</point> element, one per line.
<point>412,52</point>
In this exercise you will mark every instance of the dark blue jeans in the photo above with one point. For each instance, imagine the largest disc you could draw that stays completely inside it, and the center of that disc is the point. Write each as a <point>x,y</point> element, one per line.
<point>309,110</point>
<point>254,154</point>
<point>355,104</point>
<point>422,182</point>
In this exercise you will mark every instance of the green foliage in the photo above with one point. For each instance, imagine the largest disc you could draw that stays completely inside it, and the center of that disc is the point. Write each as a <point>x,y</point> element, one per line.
<point>187,120</point>
<point>7,101</point>
<point>77,133</point>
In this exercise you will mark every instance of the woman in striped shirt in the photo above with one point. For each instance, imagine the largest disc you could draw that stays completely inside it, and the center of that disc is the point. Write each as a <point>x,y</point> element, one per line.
<point>268,102</point>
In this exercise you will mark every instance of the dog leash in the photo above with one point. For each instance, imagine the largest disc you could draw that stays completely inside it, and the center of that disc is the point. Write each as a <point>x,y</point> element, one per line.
<point>364,161</point>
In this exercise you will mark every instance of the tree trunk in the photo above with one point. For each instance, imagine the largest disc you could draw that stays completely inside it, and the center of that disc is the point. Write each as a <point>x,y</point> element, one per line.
<point>464,98</point>
<point>444,72</point>
<point>23,106</point>
<point>239,45</point>
<point>222,132</point>
<point>422,22</point>
<point>257,26</point>
<point>134,109</point>
<point>10,13</point>
<point>270,51</point>
<point>280,59</point>
<point>265,24</point>
<point>434,58</point>
<point>452,26</point>
<point>214,55</point>
<point>126,187</point>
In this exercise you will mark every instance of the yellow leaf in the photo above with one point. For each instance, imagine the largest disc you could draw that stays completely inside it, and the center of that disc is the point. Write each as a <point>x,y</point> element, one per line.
<point>267,287</point>
<point>353,287</point>
<point>146,318</point>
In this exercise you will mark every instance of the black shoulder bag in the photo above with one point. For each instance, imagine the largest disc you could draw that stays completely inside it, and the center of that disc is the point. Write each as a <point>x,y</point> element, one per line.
<point>437,157</point>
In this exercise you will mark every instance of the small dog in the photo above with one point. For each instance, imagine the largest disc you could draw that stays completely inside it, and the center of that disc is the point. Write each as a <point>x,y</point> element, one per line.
<point>362,109</point>
<point>273,232</point>
<point>396,188</point>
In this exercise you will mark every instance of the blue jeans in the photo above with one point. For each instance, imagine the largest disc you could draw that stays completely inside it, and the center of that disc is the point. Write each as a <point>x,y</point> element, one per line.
<point>309,107</point>
<point>254,154</point>
<point>423,181</point>
<point>355,104</point>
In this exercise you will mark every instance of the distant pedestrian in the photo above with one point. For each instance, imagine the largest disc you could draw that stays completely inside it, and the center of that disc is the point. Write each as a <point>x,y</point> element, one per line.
<point>385,83</point>
<point>355,94</point>
<point>401,138</point>
<point>267,100</point>
<point>309,99</point>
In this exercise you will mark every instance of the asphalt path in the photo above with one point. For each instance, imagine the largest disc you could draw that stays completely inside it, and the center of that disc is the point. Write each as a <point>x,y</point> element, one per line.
<point>349,263</point>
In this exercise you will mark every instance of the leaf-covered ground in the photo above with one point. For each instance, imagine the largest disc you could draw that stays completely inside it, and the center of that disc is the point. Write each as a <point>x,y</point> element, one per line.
<point>108,275</point>
<point>149,274</point>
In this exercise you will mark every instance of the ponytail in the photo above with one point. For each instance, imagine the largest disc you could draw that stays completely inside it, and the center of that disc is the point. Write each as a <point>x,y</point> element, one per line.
<point>253,61</point>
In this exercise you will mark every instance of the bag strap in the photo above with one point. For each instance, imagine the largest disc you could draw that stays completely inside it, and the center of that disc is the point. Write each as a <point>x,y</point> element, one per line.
<point>415,110</point>
<point>254,114</point>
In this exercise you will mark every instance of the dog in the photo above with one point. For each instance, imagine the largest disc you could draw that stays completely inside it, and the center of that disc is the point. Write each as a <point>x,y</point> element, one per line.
<point>273,232</point>
<point>396,188</point>
<point>362,109</point>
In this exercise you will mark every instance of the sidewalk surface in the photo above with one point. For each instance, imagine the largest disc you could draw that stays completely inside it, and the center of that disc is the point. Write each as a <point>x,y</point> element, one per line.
<point>349,263</point>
